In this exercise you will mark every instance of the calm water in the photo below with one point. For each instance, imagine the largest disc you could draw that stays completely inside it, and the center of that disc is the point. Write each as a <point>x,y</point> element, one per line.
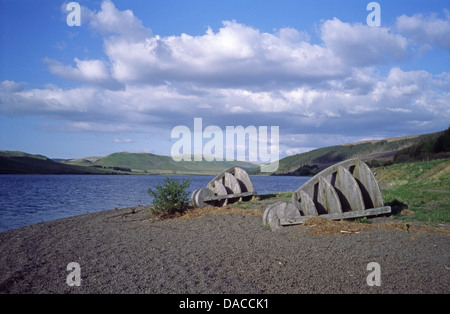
<point>29,199</point>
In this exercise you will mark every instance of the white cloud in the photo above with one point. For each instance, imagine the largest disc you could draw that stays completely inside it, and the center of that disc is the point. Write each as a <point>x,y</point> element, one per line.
<point>88,127</point>
<point>362,45</point>
<point>399,110</point>
<point>10,86</point>
<point>89,71</point>
<point>239,75</point>
<point>399,97</point>
<point>235,55</point>
<point>110,21</point>
<point>426,30</point>
<point>123,141</point>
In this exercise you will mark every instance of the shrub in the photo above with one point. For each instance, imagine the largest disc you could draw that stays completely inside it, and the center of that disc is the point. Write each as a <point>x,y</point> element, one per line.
<point>401,158</point>
<point>374,163</point>
<point>303,171</point>
<point>170,197</point>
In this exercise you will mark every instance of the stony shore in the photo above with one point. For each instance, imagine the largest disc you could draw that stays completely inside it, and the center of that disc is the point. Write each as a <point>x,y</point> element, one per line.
<point>125,251</point>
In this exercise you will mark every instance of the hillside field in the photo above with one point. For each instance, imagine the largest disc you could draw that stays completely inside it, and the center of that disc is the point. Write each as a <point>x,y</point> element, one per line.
<point>422,187</point>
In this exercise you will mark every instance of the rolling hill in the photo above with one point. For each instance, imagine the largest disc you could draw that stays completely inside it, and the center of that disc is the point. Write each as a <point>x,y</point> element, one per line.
<point>157,164</point>
<point>368,151</point>
<point>16,162</point>
<point>13,162</point>
<point>374,152</point>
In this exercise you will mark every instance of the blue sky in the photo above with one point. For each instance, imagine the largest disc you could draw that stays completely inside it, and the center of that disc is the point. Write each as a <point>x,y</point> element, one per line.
<point>136,69</point>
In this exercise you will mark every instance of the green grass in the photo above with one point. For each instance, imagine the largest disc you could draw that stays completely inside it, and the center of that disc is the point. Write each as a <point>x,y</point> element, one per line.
<point>423,187</point>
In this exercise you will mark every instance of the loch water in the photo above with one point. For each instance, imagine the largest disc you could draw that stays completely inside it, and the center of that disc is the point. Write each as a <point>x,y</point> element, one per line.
<point>29,199</point>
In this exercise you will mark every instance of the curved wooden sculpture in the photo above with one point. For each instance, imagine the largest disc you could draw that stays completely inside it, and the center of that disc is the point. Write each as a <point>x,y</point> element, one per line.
<point>232,185</point>
<point>345,190</point>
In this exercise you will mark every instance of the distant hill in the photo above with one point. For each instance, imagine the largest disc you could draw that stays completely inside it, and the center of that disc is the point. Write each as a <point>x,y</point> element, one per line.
<point>157,164</point>
<point>376,151</point>
<point>12,162</point>
<point>85,161</point>
<point>12,153</point>
<point>436,147</point>
<point>373,152</point>
<point>118,163</point>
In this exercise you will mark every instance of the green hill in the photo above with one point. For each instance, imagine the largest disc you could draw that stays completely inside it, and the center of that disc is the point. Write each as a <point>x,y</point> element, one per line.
<point>11,153</point>
<point>86,161</point>
<point>373,152</point>
<point>117,163</point>
<point>150,163</point>
<point>435,147</point>
<point>12,162</point>
<point>381,151</point>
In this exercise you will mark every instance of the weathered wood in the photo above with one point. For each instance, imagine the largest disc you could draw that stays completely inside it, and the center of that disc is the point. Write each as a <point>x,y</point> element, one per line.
<point>366,181</point>
<point>307,205</point>
<point>228,196</point>
<point>348,190</point>
<point>232,185</point>
<point>353,183</point>
<point>286,221</point>
<point>328,197</point>
<point>219,189</point>
<point>345,190</point>
<point>199,195</point>
<point>244,181</point>
<point>277,211</point>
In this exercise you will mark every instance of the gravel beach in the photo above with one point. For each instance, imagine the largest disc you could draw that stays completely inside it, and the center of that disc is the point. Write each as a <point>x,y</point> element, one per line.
<point>124,251</point>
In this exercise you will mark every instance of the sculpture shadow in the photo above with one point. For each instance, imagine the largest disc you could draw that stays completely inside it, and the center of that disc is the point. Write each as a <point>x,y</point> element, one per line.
<point>396,206</point>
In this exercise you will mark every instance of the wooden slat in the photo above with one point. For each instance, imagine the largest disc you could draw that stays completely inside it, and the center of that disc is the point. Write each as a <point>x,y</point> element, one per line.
<point>337,216</point>
<point>221,197</point>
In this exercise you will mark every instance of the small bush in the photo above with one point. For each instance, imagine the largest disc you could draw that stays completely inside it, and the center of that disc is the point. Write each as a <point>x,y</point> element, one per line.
<point>170,197</point>
<point>401,159</point>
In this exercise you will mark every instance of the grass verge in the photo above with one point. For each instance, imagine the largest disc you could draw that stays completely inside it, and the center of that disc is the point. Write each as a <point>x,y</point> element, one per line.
<point>421,187</point>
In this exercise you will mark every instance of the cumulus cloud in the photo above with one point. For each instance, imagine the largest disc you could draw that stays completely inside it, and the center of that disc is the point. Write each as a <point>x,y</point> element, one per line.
<point>402,100</point>
<point>414,95</point>
<point>10,86</point>
<point>361,45</point>
<point>317,93</point>
<point>426,30</point>
<point>235,55</point>
<point>111,22</point>
<point>94,72</point>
